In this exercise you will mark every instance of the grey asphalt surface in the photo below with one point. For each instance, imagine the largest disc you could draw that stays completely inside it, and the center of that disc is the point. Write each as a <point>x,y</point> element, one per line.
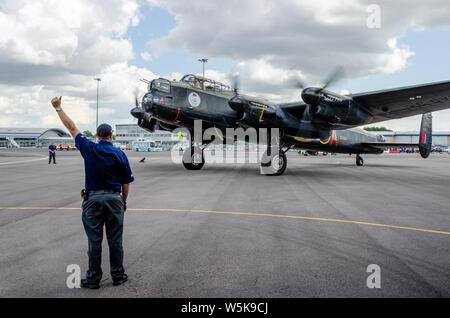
<point>202,254</point>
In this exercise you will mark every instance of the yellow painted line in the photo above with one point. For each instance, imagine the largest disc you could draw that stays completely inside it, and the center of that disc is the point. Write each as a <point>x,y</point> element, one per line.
<point>218,134</point>
<point>302,140</point>
<point>247,213</point>
<point>262,113</point>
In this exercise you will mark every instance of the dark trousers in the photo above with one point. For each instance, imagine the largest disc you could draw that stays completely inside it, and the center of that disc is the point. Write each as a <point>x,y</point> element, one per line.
<point>50,156</point>
<point>98,210</point>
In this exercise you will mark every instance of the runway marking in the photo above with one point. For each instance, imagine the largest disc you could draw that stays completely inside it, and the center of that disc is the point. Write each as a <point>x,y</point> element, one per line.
<point>247,213</point>
<point>23,161</point>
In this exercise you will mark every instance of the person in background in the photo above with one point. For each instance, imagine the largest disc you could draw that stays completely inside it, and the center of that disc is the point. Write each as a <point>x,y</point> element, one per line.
<point>52,153</point>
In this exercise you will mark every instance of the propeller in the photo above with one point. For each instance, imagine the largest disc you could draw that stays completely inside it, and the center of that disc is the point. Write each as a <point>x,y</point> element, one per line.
<point>335,76</point>
<point>236,102</point>
<point>235,80</point>
<point>137,112</point>
<point>295,81</point>
<point>313,95</point>
<point>145,120</point>
<point>136,96</point>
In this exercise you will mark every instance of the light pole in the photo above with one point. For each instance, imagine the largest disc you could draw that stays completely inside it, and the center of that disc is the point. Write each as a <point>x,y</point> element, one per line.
<point>203,61</point>
<point>98,84</point>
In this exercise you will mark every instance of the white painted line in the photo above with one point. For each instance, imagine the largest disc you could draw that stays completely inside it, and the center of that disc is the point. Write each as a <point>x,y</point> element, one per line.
<point>23,161</point>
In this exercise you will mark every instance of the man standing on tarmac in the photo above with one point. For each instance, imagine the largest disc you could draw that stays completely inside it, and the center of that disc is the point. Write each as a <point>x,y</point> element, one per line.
<point>107,174</point>
<point>52,153</point>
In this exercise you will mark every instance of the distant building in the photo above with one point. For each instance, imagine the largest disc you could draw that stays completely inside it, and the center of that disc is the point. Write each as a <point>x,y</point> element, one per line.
<point>33,137</point>
<point>440,138</point>
<point>127,133</point>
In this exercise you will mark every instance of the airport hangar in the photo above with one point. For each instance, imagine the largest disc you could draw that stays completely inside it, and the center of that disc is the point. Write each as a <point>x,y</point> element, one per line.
<point>43,137</point>
<point>440,138</point>
<point>127,133</point>
<point>33,137</point>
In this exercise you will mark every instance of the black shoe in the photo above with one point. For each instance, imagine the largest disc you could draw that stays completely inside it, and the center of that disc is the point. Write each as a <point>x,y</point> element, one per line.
<point>86,284</point>
<point>121,280</point>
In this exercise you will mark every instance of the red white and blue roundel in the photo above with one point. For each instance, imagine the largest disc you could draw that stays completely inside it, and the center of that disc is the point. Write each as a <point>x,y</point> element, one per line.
<point>194,99</point>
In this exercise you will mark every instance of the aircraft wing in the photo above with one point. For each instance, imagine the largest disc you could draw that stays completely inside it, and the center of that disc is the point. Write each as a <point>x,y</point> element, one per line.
<point>405,102</point>
<point>293,107</point>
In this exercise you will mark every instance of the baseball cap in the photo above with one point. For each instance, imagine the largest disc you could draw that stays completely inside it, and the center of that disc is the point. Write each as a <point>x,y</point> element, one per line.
<point>104,130</point>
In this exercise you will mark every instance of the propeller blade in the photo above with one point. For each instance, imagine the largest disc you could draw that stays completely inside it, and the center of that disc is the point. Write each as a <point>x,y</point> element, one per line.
<point>337,75</point>
<point>295,80</point>
<point>298,83</point>
<point>235,80</point>
<point>136,96</point>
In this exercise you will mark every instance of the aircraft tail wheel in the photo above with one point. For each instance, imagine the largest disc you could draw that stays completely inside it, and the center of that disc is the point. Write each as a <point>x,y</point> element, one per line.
<point>192,160</point>
<point>277,165</point>
<point>359,161</point>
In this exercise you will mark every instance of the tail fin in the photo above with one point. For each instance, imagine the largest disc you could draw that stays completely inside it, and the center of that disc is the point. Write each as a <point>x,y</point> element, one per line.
<point>425,137</point>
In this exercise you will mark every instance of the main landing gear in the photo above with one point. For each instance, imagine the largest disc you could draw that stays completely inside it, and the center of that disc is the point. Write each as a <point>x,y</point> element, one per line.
<point>274,166</point>
<point>274,160</point>
<point>193,158</point>
<point>359,161</point>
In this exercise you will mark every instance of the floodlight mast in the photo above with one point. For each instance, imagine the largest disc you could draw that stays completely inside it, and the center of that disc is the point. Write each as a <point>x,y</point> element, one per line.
<point>203,61</point>
<point>98,84</point>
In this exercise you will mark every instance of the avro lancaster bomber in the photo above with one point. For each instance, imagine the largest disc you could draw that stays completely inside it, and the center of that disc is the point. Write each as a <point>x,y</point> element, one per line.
<point>322,121</point>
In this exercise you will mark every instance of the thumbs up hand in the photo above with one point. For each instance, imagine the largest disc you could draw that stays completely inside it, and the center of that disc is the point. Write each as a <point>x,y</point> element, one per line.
<point>56,102</point>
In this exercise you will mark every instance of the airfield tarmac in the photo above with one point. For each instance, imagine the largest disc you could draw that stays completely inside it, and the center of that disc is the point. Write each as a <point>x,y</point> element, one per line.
<point>227,231</point>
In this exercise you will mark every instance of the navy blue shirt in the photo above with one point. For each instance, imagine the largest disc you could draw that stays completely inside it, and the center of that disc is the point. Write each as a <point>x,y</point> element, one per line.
<point>106,167</point>
<point>52,147</point>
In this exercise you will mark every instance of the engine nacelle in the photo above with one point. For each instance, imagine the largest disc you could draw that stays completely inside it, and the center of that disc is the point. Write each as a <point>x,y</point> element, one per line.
<point>145,120</point>
<point>253,112</point>
<point>340,113</point>
<point>148,123</point>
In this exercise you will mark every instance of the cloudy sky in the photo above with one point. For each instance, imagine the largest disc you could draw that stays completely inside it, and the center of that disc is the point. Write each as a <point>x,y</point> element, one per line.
<point>56,47</point>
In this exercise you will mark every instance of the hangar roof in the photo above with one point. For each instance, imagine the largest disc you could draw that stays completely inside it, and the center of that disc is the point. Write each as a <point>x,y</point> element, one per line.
<point>38,133</point>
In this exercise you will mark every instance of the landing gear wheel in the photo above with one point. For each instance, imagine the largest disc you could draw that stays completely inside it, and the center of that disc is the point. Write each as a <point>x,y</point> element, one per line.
<point>359,161</point>
<point>192,160</point>
<point>277,165</point>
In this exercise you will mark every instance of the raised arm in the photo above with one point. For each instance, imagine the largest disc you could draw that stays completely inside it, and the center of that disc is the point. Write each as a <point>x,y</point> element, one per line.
<point>67,122</point>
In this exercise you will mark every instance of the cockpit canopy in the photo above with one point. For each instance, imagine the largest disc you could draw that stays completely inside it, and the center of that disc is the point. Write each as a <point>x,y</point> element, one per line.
<point>205,83</point>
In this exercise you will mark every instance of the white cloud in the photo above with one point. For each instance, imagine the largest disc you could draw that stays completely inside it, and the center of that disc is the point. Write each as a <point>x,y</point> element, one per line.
<point>80,36</point>
<point>76,108</point>
<point>51,47</point>
<point>276,41</point>
<point>146,56</point>
<point>309,36</point>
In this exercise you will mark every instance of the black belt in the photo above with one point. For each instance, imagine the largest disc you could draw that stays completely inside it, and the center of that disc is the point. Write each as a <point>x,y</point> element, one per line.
<point>103,192</point>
